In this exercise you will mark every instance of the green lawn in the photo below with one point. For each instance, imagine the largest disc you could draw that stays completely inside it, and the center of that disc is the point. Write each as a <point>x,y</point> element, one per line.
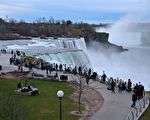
<point>146,115</point>
<point>46,105</point>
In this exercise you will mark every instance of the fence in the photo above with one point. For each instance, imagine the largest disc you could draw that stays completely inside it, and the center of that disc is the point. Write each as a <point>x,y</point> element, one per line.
<point>141,106</point>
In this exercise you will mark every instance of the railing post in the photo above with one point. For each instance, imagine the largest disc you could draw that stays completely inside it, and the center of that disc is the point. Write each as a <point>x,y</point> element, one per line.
<point>147,100</point>
<point>136,112</point>
<point>144,100</point>
<point>132,115</point>
<point>140,107</point>
<point>128,118</point>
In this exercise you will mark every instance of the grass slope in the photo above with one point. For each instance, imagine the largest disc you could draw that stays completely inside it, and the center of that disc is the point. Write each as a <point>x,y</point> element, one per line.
<point>46,105</point>
<point>146,114</point>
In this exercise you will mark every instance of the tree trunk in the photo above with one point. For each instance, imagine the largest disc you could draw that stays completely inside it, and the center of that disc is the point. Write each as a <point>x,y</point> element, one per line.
<point>80,92</point>
<point>79,102</point>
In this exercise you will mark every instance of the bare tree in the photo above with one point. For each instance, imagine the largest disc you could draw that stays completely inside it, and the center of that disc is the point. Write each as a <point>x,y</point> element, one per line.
<point>79,83</point>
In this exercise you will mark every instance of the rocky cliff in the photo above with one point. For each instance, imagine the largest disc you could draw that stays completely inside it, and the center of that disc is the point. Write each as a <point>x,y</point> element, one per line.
<point>12,36</point>
<point>102,38</point>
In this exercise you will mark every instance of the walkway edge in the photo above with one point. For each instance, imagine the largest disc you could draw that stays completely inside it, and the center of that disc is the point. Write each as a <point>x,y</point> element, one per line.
<point>141,106</point>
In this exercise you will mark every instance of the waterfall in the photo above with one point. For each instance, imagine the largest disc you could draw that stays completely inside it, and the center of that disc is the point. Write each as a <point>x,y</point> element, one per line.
<point>69,57</point>
<point>76,43</point>
<point>69,51</point>
<point>60,43</point>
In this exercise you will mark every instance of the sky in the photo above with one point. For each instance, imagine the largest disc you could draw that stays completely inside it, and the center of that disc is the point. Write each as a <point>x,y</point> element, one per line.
<point>91,11</point>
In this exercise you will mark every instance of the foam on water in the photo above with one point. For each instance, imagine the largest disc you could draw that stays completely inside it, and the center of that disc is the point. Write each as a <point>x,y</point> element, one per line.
<point>73,58</point>
<point>60,43</point>
<point>16,47</point>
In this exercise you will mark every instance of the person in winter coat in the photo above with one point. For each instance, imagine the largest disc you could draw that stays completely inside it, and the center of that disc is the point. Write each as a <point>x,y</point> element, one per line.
<point>134,99</point>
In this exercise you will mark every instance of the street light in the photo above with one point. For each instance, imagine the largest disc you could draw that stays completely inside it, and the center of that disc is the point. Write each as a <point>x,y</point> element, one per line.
<point>60,94</point>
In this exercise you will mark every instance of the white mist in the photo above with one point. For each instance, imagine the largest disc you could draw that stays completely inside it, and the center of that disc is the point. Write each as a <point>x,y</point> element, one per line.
<point>133,64</point>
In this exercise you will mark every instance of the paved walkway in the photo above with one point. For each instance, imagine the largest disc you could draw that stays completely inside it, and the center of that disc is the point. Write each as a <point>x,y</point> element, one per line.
<point>4,61</point>
<point>115,106</point>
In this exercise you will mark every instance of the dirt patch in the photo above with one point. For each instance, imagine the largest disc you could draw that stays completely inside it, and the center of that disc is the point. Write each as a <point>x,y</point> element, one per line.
<point>14,75</point>
<point>91,99</point>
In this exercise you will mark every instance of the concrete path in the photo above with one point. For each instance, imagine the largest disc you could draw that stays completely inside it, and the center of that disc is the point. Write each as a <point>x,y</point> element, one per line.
<point>4,61</point>
<point>115,107</point>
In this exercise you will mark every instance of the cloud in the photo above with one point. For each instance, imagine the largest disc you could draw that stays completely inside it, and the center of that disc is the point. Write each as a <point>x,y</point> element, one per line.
<point>76,9</point>
<point>13,8</point>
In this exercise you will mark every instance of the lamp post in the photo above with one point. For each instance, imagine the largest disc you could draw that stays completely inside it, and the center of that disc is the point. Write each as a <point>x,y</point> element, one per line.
<point>60,94</point>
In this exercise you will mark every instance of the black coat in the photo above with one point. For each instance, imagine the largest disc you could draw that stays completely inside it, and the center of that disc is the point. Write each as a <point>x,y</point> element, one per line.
<point>134,97</point>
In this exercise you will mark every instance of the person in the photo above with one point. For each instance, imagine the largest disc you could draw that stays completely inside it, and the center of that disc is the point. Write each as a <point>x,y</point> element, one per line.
<point>113,86</point>
<point>94,76</point>
<point>80,70</point>
<point>89,72</point>
<point>104,77</point>
<point>141,90</point>
<point>11,60</point>
<point>134,99</point>
<point>46,68</point>
<point>19,85</point>
<point>14,56</point>
<point>56,75</point>
<point>19,67</point>
<point>56,66</point>
<point>129,85</point>
<point>74,70</point>
<point>34,92</point>
<point>42,66</point>
<point>12,52</point>
<point>123,86</point>
<point>120,87</point>
<point>29,88</point>
<point>50,68</point>
<point>60,67</point>
<point>87,79</point>
<point>137,90</point>
<point>30,66</point>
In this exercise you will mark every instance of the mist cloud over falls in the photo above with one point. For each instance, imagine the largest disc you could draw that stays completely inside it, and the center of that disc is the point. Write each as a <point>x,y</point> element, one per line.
<point>133,64</point>
<point>132,32</point>
<point>132,29</point>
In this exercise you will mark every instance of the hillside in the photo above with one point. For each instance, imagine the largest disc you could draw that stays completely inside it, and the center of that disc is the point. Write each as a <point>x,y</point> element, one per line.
<point>12,29</point>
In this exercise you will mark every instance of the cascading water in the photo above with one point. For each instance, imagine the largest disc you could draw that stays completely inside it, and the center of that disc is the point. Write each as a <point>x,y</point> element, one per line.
<point>70,58</point>
<point>69,51</point>
<point>60,43</point>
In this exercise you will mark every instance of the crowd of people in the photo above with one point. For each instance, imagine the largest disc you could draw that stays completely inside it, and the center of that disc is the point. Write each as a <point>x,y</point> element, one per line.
<point>119,86</point>
<point>27,89</point>
<point>138,93</point>
<point>17,59</point>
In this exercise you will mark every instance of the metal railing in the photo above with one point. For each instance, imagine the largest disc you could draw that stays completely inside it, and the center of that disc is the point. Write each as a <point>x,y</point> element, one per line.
<point>141,106</point>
